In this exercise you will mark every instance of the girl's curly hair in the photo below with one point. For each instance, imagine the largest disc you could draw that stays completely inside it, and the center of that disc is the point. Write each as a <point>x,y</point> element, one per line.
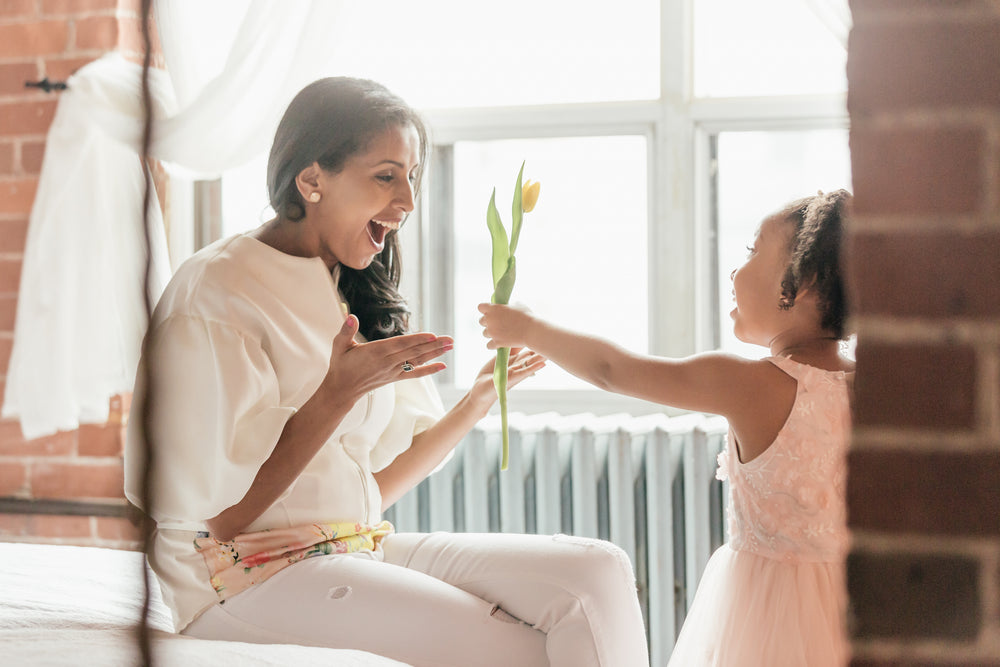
<point>815,255</point>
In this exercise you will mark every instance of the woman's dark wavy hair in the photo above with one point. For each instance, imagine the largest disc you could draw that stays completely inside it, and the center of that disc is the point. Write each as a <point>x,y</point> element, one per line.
<point>815,255</point>
<point>327,122</point>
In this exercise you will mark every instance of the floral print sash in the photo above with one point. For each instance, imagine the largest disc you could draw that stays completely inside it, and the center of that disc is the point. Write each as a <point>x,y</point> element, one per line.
<point>251,558</point>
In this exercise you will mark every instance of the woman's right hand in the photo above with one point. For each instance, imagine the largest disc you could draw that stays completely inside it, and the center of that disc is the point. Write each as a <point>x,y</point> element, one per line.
<point>357,368</point>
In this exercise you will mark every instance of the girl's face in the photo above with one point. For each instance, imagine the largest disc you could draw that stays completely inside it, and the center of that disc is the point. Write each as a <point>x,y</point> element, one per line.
<point>368,197</point>
<point>757,317</point>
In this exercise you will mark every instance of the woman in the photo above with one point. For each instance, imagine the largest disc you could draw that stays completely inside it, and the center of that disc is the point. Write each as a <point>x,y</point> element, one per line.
<point>275,450</point>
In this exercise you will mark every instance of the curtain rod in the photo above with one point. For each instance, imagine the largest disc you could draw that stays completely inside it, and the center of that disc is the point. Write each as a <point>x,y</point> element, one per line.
<point>113,508</point>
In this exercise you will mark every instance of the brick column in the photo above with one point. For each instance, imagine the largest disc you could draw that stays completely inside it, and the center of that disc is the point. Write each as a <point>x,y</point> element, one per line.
<point>51,38</point>
<point>924,270</point>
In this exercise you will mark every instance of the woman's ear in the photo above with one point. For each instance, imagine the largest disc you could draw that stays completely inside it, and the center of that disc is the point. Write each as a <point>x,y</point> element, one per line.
<point>307,181</point>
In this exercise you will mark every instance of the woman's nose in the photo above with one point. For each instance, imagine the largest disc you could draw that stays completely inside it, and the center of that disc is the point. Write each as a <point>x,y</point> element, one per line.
<point>406,197</point>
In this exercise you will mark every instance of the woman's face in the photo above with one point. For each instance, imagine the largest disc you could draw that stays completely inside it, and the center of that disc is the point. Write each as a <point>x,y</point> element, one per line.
<point>757,317</point>
<point>368,197</point>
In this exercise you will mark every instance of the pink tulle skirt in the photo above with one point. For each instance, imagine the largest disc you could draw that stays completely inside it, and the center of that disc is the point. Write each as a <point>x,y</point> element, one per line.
<point>754,611</point>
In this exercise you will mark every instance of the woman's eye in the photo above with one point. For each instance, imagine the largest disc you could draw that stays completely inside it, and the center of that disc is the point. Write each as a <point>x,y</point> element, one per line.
<point>385,178</point>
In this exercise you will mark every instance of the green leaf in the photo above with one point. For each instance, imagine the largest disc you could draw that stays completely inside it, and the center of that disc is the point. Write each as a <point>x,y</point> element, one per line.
<point>501,293</point>
<point>499,237</point>
<point>517,213</point>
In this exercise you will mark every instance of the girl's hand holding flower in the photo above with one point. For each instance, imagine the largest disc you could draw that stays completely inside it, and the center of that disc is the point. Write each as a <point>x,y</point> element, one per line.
<point>505,326</point>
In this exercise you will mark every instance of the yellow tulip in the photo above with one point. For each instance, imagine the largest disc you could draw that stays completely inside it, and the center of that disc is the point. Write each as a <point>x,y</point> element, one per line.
<point>529,195</point>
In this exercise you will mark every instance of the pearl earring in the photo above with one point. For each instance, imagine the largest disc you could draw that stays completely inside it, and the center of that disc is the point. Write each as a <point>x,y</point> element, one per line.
<point>314,197</point>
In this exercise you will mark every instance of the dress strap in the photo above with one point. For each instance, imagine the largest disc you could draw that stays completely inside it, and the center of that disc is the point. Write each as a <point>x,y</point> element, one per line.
<point>789,366</point>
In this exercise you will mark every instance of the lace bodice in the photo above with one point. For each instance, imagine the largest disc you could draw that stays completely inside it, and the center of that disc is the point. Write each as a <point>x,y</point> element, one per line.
<point>789,502</point>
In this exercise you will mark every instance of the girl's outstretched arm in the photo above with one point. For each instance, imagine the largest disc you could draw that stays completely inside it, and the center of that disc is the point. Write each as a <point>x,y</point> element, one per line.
<point>711,382</point>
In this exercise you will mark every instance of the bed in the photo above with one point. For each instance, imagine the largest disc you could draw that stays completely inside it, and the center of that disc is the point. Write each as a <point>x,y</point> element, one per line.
<point>66,605</point>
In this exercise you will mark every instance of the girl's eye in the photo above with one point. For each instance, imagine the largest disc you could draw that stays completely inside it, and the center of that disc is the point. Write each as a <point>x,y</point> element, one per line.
<point>750,250</point>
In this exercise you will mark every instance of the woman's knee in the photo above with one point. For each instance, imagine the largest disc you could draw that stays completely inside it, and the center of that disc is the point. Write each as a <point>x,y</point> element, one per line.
<point>598,560</point>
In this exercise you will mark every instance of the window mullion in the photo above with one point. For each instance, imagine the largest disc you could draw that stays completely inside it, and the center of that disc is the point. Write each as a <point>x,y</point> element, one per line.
<point>438,258</point>
<point>770,113</point>
<point>566,120</point>
<point>673,259</point>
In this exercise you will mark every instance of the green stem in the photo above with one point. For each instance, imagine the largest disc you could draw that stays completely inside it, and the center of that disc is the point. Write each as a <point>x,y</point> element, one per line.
<point>500,383</point>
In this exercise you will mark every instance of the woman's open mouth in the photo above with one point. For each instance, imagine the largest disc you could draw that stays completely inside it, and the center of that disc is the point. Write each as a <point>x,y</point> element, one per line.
<point>378,229</point>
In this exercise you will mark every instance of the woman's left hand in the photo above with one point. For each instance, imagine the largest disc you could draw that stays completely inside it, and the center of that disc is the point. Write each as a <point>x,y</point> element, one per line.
<point>523,363</point>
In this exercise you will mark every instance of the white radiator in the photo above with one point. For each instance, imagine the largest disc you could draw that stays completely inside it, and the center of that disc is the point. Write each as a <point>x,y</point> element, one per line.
<point>645,483</point>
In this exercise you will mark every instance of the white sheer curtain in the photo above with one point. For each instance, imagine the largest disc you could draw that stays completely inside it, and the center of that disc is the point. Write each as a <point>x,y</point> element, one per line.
<point>80,313</point>
<point>835,15</point>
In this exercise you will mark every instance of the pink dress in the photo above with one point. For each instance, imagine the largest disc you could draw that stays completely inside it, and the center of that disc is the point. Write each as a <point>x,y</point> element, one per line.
<point>775,595</point>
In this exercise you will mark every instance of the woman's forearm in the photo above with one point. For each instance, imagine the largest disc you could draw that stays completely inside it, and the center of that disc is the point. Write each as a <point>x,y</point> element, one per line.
<point>431,447</point>
<point>303,436</point>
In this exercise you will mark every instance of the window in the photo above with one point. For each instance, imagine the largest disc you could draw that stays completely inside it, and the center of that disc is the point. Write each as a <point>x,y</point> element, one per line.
<point>662,132</point>
<point>770,47</point>
<point>582,252</point>
<point>797,164</point>
<point>442,54</point>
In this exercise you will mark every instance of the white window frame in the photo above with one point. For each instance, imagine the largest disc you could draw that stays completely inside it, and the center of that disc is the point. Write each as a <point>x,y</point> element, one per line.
<point>679,132</point>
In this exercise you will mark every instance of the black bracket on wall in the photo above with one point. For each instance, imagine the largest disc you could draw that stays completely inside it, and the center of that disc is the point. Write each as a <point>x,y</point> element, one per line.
<point>46,85</point>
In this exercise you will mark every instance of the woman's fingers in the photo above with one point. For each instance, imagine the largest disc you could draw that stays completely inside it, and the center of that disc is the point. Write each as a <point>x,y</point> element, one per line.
<point>420,351</point>
<point>404,356</point>
<point>522,365</point>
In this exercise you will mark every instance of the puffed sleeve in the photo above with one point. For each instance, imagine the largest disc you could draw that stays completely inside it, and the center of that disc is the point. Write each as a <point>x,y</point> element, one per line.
<point>216,416</point>
<point>417,408</point>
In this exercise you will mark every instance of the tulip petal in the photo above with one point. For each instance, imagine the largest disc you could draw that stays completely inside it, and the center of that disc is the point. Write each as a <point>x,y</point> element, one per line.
<point>517,212</point>
<point>529,195</point>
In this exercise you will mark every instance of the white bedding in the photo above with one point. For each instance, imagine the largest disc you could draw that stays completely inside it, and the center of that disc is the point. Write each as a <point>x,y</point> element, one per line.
<point>64,605</point>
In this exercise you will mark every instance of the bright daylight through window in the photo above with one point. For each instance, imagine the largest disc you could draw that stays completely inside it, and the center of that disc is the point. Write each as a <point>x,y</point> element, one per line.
<point>663,132</point>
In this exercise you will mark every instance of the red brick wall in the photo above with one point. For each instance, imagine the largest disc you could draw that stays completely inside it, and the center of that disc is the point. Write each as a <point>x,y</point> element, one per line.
<point>51,38</point>
<point>924,269</point>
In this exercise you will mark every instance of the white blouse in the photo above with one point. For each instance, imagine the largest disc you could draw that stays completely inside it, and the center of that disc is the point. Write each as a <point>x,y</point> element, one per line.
<point>240,339</point>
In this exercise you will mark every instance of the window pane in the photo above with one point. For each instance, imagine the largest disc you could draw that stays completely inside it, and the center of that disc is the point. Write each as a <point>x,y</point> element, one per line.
<point>770,47</point>
<point>244,197</point>
<point>758,173</point>
<point>456,53</point>
<point>581,257</point>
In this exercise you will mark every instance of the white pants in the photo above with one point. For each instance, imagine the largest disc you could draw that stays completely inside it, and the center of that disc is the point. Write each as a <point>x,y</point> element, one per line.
<point>447,599</point>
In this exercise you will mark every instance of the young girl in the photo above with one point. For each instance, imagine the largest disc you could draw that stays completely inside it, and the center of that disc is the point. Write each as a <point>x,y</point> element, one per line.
<point>774,595</point>
<point>289,405</point>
